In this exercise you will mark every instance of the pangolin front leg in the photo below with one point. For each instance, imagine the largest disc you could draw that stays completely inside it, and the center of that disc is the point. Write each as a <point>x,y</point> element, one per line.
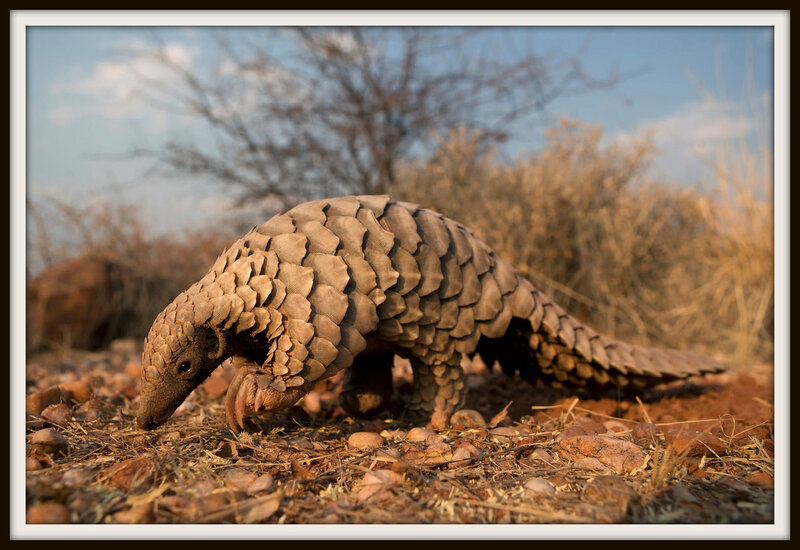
<point>368,384</point>
<point>252,392</point>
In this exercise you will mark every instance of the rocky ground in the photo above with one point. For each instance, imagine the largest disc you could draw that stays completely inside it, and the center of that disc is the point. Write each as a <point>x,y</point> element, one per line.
<point>688,453</point>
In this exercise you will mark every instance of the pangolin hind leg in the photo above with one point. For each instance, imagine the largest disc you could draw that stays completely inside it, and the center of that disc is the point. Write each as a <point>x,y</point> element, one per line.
<point>439,387</point>
<point>368,384</point>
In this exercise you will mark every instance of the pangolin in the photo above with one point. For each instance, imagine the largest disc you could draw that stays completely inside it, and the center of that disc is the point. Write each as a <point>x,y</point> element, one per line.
<point>347,283</point>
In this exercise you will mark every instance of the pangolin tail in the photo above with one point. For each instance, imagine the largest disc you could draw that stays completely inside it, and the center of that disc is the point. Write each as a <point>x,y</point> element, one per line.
<point>556,348</point>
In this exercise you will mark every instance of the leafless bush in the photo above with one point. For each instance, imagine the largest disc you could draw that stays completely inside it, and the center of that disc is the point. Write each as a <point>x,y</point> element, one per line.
<point>643,261</point>
<point>332,111</point>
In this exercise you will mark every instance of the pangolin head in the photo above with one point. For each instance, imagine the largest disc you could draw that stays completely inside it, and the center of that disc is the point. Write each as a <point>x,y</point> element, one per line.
<point>177,357</point>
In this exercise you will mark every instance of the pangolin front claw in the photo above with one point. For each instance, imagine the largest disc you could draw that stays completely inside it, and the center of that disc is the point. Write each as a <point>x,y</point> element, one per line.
<point>250,393</point>
<point>241,399</point>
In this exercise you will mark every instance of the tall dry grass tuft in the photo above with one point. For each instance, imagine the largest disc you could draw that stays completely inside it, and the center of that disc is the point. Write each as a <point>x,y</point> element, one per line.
<point>636,259</point>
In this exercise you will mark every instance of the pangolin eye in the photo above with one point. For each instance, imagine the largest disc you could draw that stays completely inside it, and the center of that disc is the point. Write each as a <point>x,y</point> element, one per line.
<point>184,367</point>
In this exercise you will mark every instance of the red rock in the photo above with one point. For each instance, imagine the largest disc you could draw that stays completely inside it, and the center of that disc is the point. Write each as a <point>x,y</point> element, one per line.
<point>616,426</point>
<point>693,442</point>
<point>50,442</point>
<point>761,479</point>
<point>592,426</point>
<point>590,463</point>
<point>620,456</point>
<point>573,431</point>
<point>611,492</point>
<point>47,512</point>
<point>644,433</point>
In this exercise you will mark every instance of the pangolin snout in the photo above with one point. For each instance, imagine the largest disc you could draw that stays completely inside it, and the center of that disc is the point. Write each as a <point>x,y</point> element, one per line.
<point>147,422</point>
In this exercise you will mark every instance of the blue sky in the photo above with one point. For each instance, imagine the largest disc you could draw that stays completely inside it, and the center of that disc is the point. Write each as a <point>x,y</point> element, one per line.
<point>691,84</point>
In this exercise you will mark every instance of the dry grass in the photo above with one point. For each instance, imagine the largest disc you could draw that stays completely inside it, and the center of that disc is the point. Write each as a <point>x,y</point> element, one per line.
<point>652,263</point>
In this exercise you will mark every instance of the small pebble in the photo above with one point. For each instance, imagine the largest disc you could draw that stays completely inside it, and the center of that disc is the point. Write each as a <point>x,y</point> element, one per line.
<point>460,458</point>
<point>572,431</point>
<point>136,515</point>
<point>472,449</point>
<point>300,442</point>
<point>365,440</point>
<point>693,442</point>
<point>35,403</point>
<point>467,419</point>
<point>440,446</point>
<point>312,403</point>
<point>394,435</point>
<point>216,385</point>
<point>240,479</point>
<point>47,512</point>
<point>761,479</point>
<point>616,426</point>
<point>77,476</point>
<point>418,434</point>
<point>80,391</point>
<point>590,463</point>
<point>264,482</point>
<point>539,487</point>
<point>439,420</point>
<point>133,369</point>
<point>32,464</point>
<point>57,414</point>
<point>644,433</point>
<point>541,454</point>
<point>50,442</point>
<point>507,431</point>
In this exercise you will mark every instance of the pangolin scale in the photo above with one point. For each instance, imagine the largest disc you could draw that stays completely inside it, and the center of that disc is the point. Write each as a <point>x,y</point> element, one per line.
<point>346,283</point>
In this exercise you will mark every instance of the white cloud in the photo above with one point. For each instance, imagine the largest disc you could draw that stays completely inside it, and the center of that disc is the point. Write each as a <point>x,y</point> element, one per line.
<point>114,88</point>
<point>698,122</point>
<point>685,138</point>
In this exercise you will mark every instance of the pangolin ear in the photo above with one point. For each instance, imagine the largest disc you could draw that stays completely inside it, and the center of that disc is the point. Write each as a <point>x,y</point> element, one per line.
<point>214,343</point>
